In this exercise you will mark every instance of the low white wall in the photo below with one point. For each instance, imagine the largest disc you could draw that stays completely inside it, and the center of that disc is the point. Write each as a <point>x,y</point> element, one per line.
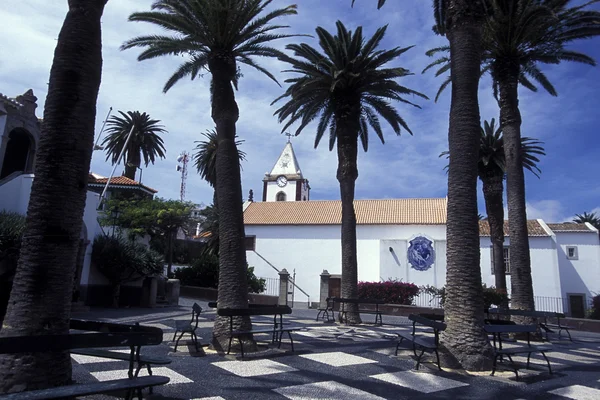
<point>14,194</point>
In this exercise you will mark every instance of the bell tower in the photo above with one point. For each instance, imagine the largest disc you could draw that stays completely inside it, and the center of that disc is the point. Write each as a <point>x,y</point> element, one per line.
<point>285,182</point>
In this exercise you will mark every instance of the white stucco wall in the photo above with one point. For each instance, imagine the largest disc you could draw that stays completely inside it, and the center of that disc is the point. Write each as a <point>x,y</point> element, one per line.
<point>14,194</point>
<point>289,190</point>
<point>580,276</point>
<point>310,249</point>
<point>544,266</point>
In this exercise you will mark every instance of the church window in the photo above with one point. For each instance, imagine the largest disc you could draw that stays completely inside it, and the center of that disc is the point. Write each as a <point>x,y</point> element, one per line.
<point>506,253</point>
<point>572,253</point>
<point>250,243</point>
<point>281,196</point>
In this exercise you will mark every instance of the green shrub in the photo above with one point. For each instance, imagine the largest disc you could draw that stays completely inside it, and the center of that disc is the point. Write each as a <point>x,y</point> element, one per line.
<point>390,291</point>
<point>594,312</point>
<point>121,260</point>
<point>490,295</point>
<point>204,272</point>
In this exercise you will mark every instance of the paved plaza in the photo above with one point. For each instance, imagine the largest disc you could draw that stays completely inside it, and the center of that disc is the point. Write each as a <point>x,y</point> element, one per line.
<point>334,361</point>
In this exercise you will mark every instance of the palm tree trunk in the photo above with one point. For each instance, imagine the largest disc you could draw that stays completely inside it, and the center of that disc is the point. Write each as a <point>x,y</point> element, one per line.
<point>233,285</point>
<point>40,300</point>
<point>347,173</point>
<point>493,190</point>
<point>520,262</point>
<point>464,337</point>
<point>132,163</point>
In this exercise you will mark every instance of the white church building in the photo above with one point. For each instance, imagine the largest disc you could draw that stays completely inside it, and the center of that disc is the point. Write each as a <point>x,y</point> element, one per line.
<point>403,239</point>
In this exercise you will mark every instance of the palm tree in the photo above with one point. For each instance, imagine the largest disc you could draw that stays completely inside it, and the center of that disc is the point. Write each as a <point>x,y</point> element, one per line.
<point>348,88</point>
<point>40,300</point>
<point>519,36</point>
<point>590,217</point>
<point>461,22</point>
<point>144,142</point>
<point>215,35</point>
<point>491,172</point>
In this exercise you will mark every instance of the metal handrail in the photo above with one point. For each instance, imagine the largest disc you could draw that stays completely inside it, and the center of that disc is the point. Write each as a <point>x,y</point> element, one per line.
<point>291,279</point>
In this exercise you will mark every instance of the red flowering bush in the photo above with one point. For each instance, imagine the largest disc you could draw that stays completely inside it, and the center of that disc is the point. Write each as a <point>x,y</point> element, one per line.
<point>391,292</point>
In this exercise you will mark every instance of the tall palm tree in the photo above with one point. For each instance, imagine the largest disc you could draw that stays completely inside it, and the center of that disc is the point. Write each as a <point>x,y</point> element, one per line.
<point>491,172</point>
<point>590,217</point>
<point>144,142</point>
<point>348,89</point>
<point>215,35</point>
<point>519,36</point>
<point>40,300</point>
<point>461,22</point>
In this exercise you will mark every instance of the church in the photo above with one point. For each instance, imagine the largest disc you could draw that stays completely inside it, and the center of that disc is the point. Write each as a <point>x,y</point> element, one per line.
<point>402,239</point>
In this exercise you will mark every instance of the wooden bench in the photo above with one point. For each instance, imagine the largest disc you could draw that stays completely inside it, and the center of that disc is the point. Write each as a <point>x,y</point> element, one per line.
<point>423,343</point>
<point>516,348</point>
<point>343,313</point>
<point>98,334</point>
<point>277,330</point>
<point>541,316</point>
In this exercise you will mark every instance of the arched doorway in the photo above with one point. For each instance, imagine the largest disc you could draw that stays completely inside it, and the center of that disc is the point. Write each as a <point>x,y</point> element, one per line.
<point>19,155</point>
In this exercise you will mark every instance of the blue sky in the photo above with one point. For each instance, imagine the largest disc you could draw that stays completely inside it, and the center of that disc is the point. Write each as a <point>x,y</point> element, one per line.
<point>406,166</point>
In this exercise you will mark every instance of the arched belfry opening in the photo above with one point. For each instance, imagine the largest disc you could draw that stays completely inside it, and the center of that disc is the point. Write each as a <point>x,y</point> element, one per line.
<point>281,196</point>
<point>20,153</point>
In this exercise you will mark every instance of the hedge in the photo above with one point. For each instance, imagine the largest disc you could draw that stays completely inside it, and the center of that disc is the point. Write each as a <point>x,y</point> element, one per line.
<point>391,292</point>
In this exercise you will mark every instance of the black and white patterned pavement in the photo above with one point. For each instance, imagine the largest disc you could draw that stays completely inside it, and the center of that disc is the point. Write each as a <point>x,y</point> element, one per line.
<point>337,362</point>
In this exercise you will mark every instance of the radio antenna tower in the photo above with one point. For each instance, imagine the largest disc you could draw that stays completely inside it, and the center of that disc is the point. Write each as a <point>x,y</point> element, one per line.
<point>183,160</point>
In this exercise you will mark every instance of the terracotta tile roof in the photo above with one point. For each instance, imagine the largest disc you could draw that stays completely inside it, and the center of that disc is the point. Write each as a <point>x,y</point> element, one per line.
<point>533,227</point>
<point>329,212</point>
<point>95,179</point>
<point>569,227</point>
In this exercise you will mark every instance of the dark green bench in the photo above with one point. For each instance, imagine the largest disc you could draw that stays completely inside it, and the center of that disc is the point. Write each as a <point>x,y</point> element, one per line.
<point>516,347</point>
<point>277,330</point>
<point>420,342</point>
<point>541,316</point>
<point>343,313</point>
<point>97,335</point>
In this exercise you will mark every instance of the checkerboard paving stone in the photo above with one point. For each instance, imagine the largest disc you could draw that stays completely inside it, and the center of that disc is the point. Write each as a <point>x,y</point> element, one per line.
<point>577,392</point>
<point>325,390</point>
<point>570,358</point>
<point>81,359</point>
<point>588,352</point>
<point>338,359</point>
<point>209,398</point>
<point>252,368</point>
<point>159,371</point>
<point>422,382</point>
<point>161,326</point>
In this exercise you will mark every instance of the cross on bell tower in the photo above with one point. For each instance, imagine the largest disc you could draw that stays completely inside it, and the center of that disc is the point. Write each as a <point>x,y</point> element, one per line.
<point>289,135</point>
